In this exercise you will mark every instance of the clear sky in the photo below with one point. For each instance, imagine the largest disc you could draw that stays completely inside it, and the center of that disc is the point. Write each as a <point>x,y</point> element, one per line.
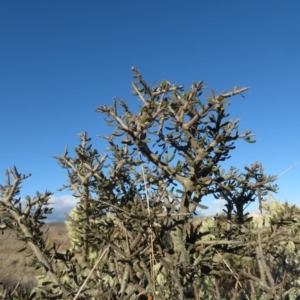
<point>59,60</point>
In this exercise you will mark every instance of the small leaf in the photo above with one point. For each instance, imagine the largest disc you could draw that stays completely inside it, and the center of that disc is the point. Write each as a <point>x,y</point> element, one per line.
<point>225,187</point>
<point>21,250</point>
<point>216,169</point>
<point>112,125</point>
<point>172,157</point>
<point>202,206</point>
<point>32,295</point>
<point>46,283</point>
<point>170,128</point>
<point>190,162</point>
<point>150,177</point>
<point>118,133</point>
<point>105,184</point>
<point>127,142</point>
<point>166,157</point>
<point>123,104</point>
<point>108,120</point>
<point>218,151</point>
<point>178,166</point>
<point>146,141</point>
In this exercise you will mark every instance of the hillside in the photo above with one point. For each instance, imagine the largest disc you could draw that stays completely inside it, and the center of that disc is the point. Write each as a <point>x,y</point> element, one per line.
<point>13,265</point>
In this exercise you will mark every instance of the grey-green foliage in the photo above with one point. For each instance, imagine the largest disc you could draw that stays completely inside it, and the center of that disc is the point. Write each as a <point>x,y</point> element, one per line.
<point>128,231</point>
<point>281,256</point>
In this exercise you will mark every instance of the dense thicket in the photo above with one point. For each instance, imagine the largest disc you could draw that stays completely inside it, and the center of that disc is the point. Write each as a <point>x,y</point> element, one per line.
<point>132,231</point>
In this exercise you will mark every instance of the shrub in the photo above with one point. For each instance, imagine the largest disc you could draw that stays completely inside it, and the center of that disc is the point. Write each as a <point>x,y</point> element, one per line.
<point>129,233</point>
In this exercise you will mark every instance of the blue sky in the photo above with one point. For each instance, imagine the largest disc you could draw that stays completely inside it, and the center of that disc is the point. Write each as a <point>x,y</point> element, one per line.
<point>59,60</point>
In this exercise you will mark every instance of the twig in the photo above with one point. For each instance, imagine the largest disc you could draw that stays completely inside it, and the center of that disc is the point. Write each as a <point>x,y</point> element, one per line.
<point>288,169</point>
<point>148,204</point>
<point>91,272</point>
<point>151,237</point>
<point>227,265</point>
<point>16,286</point>
<point>235,92</point>
<point>264,265</point>
<point>140,95</point>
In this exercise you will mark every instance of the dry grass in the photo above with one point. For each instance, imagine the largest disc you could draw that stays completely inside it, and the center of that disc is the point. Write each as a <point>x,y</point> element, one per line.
<point>14,266</point>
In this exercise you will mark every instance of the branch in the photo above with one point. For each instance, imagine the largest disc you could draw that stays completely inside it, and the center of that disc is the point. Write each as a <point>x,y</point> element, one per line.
<point>233,93</point>
<point>288,169</point>
<point>20,218</point>
<point>91,272</point>
<point>257,280</point>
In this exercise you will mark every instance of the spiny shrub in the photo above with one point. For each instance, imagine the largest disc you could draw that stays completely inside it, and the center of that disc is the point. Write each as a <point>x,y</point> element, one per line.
<point>129,233</point>
<point>273,257</point>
